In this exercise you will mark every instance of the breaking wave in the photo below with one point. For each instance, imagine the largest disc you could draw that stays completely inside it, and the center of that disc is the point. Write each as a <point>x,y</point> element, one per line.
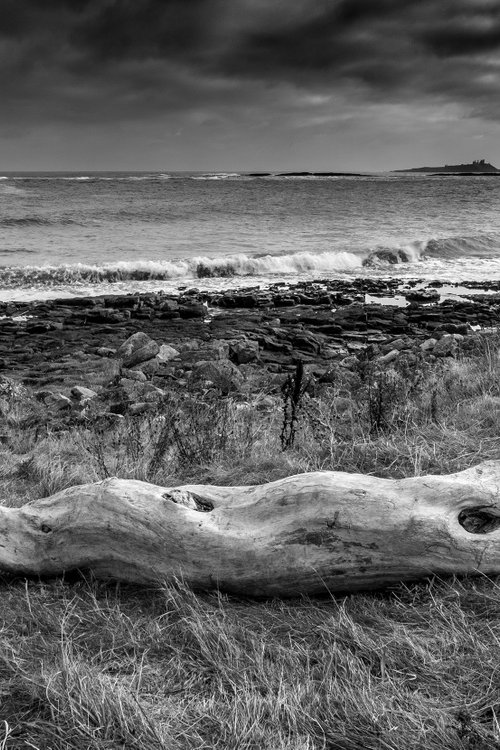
<point>152,177</point>
<point>479,246</point>
<point>216,176</point>
<point>158,176</point>
<point>242,265</point>
<point>194,268</point>
<point>381,256</point>
<point>445,248</point>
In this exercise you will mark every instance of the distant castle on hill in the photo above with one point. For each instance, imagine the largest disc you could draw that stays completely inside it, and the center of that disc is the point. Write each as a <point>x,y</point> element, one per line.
<point>478,166</point>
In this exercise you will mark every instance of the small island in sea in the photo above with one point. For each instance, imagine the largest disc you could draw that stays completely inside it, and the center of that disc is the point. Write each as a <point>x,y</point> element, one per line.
<point>479,166</point>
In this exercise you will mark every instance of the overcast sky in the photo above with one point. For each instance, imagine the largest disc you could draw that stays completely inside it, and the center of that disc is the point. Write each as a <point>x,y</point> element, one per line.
<point>248,84</point>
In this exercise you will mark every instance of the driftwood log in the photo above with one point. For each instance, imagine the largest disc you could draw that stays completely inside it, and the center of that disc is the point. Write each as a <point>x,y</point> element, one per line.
<point>306,534</point>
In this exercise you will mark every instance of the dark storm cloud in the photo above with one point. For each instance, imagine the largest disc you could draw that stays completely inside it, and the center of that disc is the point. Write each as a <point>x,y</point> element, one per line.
<point>465,33</point>
<point>378,41</point>
<point>100,59</point>
<point>138,30</point>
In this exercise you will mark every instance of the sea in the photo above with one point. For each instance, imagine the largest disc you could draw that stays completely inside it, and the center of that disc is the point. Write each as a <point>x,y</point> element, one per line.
<point>92,233</point>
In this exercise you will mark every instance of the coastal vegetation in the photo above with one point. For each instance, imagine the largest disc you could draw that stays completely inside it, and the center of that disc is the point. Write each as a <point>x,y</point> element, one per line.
<point>86,664</point>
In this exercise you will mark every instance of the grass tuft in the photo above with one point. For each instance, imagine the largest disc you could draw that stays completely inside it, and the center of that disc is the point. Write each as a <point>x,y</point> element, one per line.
<point>94,666</point>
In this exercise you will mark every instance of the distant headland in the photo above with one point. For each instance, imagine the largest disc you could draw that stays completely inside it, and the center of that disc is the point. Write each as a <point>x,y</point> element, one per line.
<point>479,166</point>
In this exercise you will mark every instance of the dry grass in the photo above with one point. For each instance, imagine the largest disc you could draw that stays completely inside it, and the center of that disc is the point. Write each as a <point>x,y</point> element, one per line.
<point>88,666</point>
<point>406,420</point>
<point>91,666</point>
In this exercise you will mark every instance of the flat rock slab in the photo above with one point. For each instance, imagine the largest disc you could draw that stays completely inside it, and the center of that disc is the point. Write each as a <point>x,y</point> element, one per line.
<point>321,319</point>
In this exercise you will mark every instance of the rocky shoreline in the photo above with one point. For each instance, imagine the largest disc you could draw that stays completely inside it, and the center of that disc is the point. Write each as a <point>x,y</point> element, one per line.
<point>57,345</point>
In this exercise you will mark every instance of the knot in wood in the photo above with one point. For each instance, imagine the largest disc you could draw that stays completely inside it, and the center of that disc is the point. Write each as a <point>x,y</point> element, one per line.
<point>189,500</point>
<point>479,520</point>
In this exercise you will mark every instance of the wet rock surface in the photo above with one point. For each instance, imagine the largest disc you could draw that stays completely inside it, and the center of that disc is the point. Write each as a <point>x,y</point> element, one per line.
<point>156,340</point>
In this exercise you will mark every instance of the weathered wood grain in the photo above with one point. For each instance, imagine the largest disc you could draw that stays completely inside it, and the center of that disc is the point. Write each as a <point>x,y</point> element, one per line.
<point>306,534</point>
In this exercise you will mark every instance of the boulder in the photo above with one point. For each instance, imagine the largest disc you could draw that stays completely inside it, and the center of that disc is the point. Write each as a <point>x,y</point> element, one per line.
<point>169,306</point>
<point>80,393</point>
<point>57,402</point>
<point>147,369</point>
<point>135,375</point>
<point>166,353</point>
<point>137,348</point>
<point>105,351</point>
<point>137,391</point>
<point>349,362</point>
<point>212,350</point>
<point>223,374</point>
<point>389,357</point>
<point>193,310</point>
<point>422,295</point>
<point>400,344</point>
<point>428,345</point>
<point>188,345</point>
<point>447,346</point>
<point>243,351</point>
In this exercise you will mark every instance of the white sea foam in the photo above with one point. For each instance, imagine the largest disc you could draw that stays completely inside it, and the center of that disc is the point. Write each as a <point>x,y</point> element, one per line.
<point>216,176</point>
<point>200,267</point>
<point>240,265</point>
